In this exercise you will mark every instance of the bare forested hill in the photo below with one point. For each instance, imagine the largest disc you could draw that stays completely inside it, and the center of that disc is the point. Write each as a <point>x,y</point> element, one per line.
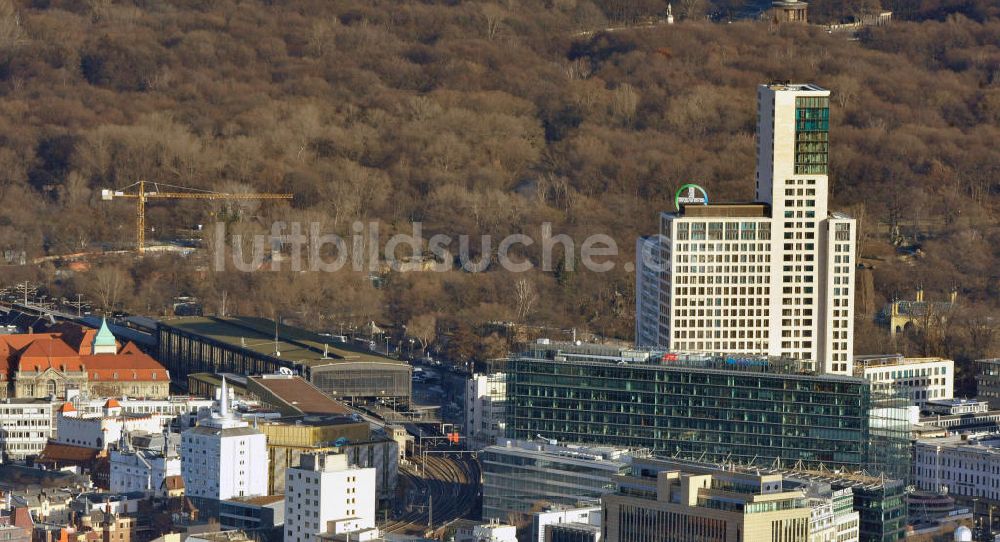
<point>481,118</point>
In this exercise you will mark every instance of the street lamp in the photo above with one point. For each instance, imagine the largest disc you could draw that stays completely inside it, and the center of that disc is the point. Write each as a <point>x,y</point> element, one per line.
<point>975,520</point>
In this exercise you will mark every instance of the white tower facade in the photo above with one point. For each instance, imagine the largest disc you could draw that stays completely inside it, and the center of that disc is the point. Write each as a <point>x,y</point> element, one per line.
<point>812,279</point>
<point>223,457</point>
<point>772,277</point>
<point>325,494</point>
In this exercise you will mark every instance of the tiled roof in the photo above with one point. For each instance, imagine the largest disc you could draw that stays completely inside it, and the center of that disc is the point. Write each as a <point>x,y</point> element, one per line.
<point>128,365</point>
<point>66,453</point>
<point>11,347</point>
<point>69,350</point>
<point>45,349</point>
<point>79,338</point>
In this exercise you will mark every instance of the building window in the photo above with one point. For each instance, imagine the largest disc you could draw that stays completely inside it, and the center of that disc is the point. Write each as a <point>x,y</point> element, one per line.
<point>812,127</point>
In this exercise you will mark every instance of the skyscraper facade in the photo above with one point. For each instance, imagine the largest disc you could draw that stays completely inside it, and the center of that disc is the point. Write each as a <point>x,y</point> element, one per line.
<point>773,277</point>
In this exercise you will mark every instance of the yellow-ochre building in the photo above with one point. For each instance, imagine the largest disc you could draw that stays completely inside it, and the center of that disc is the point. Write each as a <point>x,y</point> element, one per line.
<point>289,438</point>
<point>665,502</point>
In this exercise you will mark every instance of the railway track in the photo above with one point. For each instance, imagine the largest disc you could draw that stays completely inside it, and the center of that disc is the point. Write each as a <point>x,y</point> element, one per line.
<point>451,483</point>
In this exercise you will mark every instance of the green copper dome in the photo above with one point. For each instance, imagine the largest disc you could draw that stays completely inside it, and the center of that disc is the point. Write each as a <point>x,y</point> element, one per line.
<point>104,336</point>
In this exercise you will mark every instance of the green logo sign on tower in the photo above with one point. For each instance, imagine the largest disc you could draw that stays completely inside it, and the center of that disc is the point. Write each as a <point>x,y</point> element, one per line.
<point>690,194</point>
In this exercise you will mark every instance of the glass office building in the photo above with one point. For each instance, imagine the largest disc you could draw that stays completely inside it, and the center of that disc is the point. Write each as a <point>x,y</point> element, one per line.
<point>520,477</point>
<point>745,410</point>
<point>879,501</point>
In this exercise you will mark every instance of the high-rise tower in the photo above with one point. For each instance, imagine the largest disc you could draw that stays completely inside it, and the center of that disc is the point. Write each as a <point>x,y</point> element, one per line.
<point>772,277</point>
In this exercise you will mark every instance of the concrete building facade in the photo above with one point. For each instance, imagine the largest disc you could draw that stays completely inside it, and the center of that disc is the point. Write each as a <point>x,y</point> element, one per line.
<point>223,457</point>
<point>143,471</point>
<point>100,431</point>
<point>919,379</point>
<point>832,517</point>
<point>560,515</point>
<point>710,507</point>
<point>326,495</point>
<point>485,408</point>
<point>25,426</point>
<point>988,381</point>
<point>774,277</point>
<point>961,466</point>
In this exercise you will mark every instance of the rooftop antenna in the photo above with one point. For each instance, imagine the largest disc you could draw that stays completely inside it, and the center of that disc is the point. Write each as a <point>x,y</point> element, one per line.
<point>224,399</point>
<point>166,440</point>
<point>277,351</point>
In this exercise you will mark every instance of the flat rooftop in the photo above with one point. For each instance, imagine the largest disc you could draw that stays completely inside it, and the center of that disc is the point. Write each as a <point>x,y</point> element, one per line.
<point>295,345</point>
<point>607,455</point>
<point>796,87</point>
<point>954,402</point>
<point>262,500</point>
<point>652,359</point>
<point>726,210</point>
<point>790,475</point>
<point>890,360</point>
<point>311,420</point>
<point>300,395</point>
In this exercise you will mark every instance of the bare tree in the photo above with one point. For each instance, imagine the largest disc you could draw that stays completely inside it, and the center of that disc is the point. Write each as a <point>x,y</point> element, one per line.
<point>691,9</point>
<point>108,286</point>
<point>525,297</point>
<point>495,16</point>
<point>11,31</point>
<point>423,328</point>
<point>321,35</point>
<point>982,331</point>
<point>624,103</point>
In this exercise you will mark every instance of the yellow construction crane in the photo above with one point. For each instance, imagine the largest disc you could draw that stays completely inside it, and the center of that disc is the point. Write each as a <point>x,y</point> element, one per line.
<point>141,195</point>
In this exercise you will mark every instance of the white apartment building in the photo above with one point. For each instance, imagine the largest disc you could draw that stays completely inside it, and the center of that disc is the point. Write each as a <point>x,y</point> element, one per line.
<point>25,427</point>
<point>919,379</point>
<point>485,403</point>
<point>563,515</point>
<point>486,532</point>
<point>142,470</point>
<point>100,431</point>
<point>326,496</point>
<point>959,465</point>
<point>189,409</point>
<point>223,457</point>
<point>773,277</point>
